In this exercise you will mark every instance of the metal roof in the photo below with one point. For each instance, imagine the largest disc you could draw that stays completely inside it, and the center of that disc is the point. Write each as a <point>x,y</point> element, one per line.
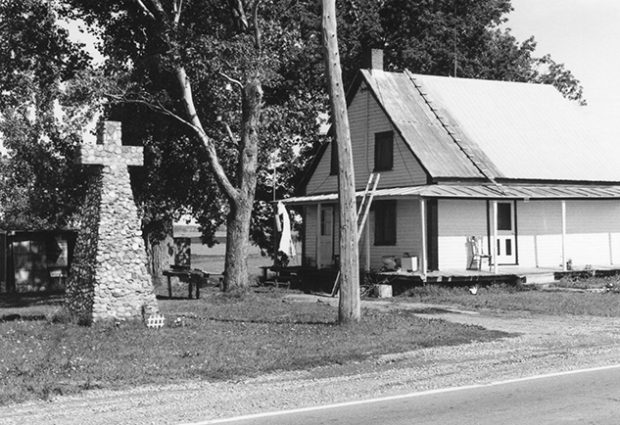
<point>460,127</point>
<point>479,191</point>
<point>417,125</point>
<point>527,131</point>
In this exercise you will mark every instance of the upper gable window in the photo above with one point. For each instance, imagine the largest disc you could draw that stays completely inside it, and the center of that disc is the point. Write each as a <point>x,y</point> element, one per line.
<point>384,151</point>
<point>333,168</point>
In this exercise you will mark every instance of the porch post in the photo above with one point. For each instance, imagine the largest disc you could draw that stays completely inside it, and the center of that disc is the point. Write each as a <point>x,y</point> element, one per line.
<point>494,236</point>
<point>423,266</point>
<point>563,235</point>
<point>318,235</point>
<point>367,246</point>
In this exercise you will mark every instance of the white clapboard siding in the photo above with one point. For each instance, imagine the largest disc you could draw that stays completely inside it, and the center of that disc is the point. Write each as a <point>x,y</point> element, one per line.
<point>367,118</point>
<point>539,228</point>
<point>408,235</point>
<point>457,220</point>
<point>593,232</point>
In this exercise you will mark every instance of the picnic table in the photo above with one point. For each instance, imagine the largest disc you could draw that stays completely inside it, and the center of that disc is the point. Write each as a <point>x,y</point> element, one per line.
<point>191,276</point>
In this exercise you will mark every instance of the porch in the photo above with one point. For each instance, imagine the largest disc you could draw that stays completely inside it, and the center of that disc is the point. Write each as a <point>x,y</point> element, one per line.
<point>322,280</point>
<point>505,274</point>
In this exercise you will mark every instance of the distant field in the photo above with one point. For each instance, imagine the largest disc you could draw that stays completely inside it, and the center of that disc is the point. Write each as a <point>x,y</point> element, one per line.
<point>214,264</point>
<point>212,259</point>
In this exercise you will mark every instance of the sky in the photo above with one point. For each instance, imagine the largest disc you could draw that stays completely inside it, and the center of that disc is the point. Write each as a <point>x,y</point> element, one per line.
<point>585,36</point>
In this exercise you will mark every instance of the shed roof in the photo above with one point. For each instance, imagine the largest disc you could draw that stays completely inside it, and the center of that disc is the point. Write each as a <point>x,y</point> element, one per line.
<point>468,128</point>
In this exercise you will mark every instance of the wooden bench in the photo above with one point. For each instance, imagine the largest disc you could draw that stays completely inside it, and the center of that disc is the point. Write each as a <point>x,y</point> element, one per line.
<point>192,277</point>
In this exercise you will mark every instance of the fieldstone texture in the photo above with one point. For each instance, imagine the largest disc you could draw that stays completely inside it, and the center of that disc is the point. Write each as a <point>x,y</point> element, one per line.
<point>109,278</point>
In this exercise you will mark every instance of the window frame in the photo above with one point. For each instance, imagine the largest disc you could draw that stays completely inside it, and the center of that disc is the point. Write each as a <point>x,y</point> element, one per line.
<point>384,156</point>
<point>385,223</point>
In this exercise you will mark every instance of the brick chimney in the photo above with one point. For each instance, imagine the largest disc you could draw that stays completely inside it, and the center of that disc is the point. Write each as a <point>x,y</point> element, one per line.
<point>373,59</point>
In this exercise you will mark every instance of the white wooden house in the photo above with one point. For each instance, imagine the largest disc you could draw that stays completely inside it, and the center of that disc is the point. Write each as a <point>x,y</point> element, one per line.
<point>513,164</point>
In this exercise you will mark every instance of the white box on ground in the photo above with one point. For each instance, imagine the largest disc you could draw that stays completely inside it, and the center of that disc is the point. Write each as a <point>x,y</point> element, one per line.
<point>409,264</point>
<point>383,291</point>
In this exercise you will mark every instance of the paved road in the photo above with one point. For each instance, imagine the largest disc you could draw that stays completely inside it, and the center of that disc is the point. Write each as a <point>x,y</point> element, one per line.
<point>587,397</point>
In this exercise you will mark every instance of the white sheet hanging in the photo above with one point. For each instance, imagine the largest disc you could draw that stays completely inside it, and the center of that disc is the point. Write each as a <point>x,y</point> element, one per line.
<point>286,240</point>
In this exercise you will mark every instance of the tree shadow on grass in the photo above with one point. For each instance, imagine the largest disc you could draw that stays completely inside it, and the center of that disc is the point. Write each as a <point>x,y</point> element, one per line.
<point>274,321</point>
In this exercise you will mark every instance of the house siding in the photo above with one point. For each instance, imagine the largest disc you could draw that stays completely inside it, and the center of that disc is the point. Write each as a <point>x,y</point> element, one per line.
<point>367,118</point>
<point>592,233</point>
<point>457,220</point>
<point>408,235</point>
<point>539,225</point>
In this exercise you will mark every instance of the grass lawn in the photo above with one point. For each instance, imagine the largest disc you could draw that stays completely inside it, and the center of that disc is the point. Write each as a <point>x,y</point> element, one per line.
<point>507,298</point>
<point>216,337</point>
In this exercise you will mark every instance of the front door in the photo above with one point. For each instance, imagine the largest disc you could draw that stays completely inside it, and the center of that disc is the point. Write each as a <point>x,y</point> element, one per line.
<point>506,239</point>
<point>326,237</point>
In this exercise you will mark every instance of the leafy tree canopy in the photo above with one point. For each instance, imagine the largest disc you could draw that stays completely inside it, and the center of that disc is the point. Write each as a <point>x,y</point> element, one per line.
<point>37,178</point>
<point>425,36</point>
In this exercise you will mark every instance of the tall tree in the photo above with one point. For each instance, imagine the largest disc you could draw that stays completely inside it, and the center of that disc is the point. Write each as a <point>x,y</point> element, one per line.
<point>349,304</point>
<point>37,175</point>
<point>216,70</point>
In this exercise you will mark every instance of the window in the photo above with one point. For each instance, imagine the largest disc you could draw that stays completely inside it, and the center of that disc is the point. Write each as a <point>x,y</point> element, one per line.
<point>384,151</point>
<point>333,168</point>
<point>504,216</point>
<point>385,223</point>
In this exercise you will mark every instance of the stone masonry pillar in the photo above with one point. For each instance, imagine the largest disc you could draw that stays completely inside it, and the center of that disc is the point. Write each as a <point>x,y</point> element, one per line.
<point>109,278</point>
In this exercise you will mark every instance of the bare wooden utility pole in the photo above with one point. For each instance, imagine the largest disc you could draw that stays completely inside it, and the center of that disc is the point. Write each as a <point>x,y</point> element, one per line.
<point>349,305</point>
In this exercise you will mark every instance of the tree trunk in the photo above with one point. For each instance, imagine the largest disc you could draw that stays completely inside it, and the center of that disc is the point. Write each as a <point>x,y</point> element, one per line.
<point>237,236</point>
<point>160,252</point>
<point>349,304</point>
<point>238,223</point>
<point>161,256</point>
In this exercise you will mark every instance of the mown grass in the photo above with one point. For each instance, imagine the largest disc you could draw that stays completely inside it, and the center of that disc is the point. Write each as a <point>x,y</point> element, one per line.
<point>520,298</point>
<point>213,338</point>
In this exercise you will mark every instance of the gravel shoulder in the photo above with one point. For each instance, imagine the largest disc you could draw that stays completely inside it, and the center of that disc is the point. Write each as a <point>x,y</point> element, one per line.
<point>544,344</point>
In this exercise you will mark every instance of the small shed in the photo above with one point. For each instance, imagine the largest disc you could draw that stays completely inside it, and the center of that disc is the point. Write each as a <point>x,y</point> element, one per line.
<point>34,261</point>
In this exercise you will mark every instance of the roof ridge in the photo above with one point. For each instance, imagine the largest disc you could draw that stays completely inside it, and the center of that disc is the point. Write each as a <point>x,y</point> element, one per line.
<point>448,127</point>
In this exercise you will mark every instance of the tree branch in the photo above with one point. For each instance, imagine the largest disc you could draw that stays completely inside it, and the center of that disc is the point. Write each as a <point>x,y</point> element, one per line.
<point>177,12</point>
<point>145,9</point>
<point>220,175</point>
<point>231,136</point>
<point>162,15</point>
<point>236,8</point>
<point>188,102</point>
<point>257,33</point>
<point>232,80</point>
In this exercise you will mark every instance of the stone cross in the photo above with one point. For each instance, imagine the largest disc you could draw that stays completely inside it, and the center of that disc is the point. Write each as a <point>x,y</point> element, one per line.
<point>109,278</point>
<point>109,150</point>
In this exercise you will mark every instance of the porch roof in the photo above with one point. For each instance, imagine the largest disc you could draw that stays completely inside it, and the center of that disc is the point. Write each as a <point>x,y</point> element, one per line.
<point>478,191</point>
